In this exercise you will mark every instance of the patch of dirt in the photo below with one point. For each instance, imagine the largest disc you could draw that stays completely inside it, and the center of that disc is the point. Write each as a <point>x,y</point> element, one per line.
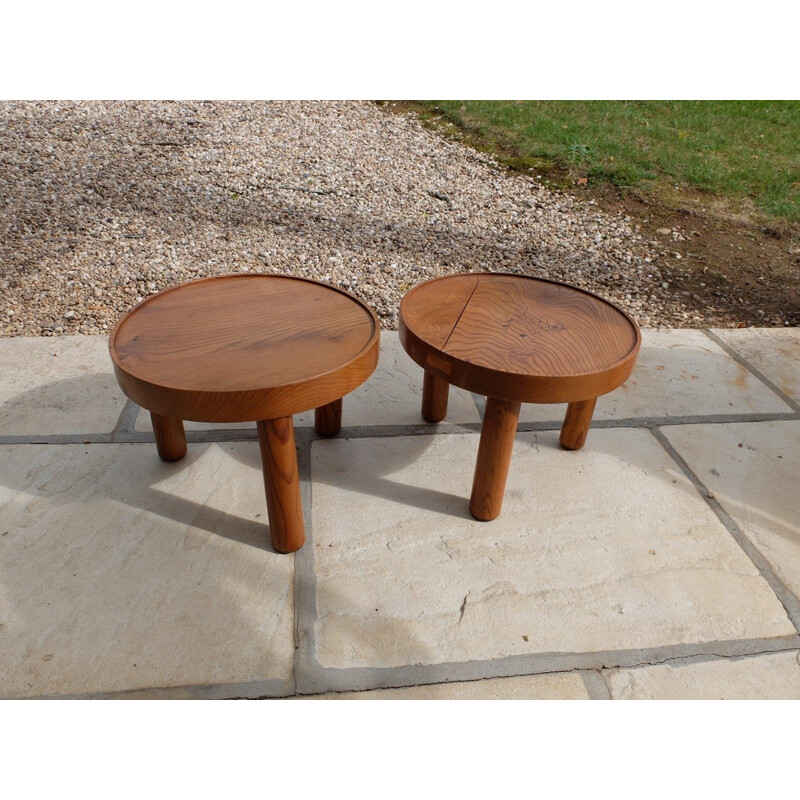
<point>736,266</point>
<point>725,259</point>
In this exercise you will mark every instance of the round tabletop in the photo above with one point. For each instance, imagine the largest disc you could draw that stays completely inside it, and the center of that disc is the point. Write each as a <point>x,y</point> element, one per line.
<point>518,338</point>
<point>237,348</point>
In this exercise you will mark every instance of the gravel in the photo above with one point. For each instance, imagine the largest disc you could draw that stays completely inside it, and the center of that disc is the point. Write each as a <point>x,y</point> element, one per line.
<point>104,203</point>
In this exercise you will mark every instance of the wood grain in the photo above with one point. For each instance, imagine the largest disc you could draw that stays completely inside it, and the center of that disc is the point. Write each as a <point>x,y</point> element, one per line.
<point>170,437</point>
<point>282,483</point>
<point>520,338</point>
<point>435,394</point>
<point>435,306</point>
<point>576,424</point>
<point>238,348</point>
<point>494,456</point>
<point>328,419</point>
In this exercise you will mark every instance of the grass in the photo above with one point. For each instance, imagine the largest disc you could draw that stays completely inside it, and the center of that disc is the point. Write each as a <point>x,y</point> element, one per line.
<point>734,149</point>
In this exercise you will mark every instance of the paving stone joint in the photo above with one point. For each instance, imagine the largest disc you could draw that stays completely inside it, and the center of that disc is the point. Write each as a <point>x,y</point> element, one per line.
<point>660,561</point>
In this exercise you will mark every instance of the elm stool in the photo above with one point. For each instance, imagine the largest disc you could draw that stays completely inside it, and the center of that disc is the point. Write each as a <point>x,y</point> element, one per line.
<point>516,340</point>
<point>242,348</point>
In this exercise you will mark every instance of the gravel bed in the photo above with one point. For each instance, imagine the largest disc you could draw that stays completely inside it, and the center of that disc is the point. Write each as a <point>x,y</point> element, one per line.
<point>104,203</point>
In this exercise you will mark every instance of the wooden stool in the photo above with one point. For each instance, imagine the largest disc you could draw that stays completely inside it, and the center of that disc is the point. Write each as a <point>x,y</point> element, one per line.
<point>241,348</point>
<point>516,340</point>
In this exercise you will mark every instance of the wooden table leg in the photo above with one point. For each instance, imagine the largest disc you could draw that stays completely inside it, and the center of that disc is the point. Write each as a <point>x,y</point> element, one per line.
<point>282,484</point>
<point>435,392</point>
<point>328,419</point>
<point>576,424</point>
<point>170,437</point>
<point>494,456</point>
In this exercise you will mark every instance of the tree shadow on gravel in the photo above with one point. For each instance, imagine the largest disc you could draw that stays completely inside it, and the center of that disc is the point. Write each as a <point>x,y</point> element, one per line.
<point>136,188</point>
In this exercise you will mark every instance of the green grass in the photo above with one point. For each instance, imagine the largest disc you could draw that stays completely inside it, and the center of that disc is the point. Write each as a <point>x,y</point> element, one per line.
<point>734,149</point>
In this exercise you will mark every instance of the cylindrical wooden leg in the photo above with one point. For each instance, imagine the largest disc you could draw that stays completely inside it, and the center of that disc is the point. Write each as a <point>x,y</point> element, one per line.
<point>494,456</point>
<point>435,392</point>
<point>170,437</point>
<point>576,424</point>
<point>282,484</point>
<point>328,419</point>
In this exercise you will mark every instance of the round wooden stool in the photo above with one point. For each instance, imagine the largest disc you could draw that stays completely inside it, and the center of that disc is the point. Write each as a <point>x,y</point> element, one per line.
<point>516,340</point>
<point>242,348</point>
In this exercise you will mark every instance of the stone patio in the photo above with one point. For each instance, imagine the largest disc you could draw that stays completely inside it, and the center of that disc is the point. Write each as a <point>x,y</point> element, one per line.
<point>661,561</point>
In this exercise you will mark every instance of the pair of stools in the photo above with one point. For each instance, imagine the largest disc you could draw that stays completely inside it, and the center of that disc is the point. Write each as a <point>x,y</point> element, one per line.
<point>239,348</point>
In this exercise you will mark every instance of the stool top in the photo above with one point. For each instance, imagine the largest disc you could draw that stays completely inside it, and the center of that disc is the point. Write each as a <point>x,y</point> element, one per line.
<point>237,348</point>
<point>518,338</point>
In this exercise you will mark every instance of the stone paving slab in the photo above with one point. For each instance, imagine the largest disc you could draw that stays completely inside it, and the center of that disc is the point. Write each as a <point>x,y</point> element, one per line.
<point>775,352</point>
<point>753,470</point>
<point>57,385</point>
<point>556,686</point>
<point>391,396</point>
<point>678,373</point>
<point>124,576</point>
<point>120,572</point>
<point>775,676</point>
<point>608,548</point>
